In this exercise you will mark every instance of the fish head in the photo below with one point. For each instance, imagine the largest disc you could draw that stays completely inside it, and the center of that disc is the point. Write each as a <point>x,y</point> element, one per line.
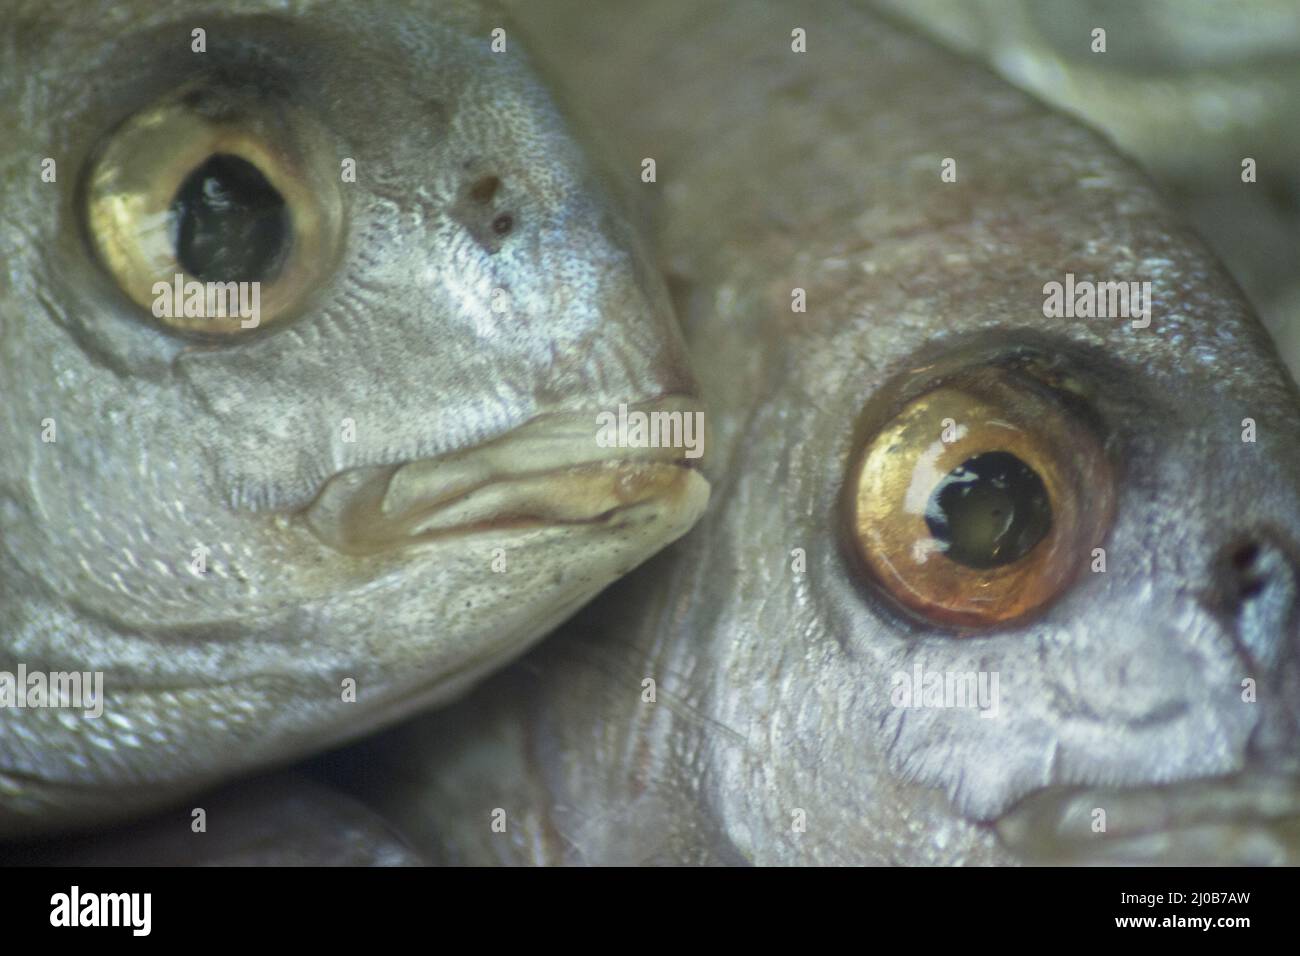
<point>989,585</point>
<point>374,476</point>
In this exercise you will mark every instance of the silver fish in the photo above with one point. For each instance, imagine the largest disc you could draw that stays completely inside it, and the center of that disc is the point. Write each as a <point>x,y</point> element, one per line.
<point>272,530</point>
<point>1092,656</point>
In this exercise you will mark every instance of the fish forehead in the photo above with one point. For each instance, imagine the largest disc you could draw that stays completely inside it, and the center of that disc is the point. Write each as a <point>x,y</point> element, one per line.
<point>839,195</point>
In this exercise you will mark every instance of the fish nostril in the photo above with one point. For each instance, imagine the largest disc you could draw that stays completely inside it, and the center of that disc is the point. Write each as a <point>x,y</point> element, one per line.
<point>1245,555</point>
<point>477,211</point>
<point>1259,590</point>
<point>1245,562</point>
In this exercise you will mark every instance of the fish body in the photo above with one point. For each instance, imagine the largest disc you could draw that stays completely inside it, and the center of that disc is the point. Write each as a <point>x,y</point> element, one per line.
<point>747,697</point>
<point>270,533</point>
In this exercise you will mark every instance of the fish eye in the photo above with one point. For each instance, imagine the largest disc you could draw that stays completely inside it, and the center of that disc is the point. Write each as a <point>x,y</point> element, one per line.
<point>977,501</point>
<point>228,223</point>
<point>216,209</point>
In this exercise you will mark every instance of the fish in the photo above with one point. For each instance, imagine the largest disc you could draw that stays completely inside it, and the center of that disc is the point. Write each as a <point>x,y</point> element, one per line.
<point>980,583</point>
<point>309,320</point>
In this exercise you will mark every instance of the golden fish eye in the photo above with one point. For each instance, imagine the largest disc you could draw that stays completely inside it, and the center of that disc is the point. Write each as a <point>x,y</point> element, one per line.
<point>216,209</point>
<point>977,502</point>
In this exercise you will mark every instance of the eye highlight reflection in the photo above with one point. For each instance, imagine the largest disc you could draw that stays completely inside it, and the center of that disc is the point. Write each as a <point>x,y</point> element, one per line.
<point>977,501</point>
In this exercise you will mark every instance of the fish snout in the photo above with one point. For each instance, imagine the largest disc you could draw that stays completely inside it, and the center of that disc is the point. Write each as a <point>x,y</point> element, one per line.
<point>1258,582</point>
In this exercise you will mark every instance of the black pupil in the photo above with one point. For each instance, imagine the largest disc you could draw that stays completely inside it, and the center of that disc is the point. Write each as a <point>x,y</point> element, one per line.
<point>228,223</point>
<point>989,511</point>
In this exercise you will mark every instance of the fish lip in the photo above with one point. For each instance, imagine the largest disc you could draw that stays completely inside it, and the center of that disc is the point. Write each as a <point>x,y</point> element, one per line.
<point>547,472</point>
<point>1249,818</point>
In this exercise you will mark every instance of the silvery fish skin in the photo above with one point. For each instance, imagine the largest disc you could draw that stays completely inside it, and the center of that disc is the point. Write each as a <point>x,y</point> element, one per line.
<point>773,736</point>
<point>1191,90</point>
<point>200,530</point>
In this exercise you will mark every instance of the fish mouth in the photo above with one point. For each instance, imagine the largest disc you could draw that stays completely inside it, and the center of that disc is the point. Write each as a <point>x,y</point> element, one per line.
<point>550,471</point>
<point>1248,819</point>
